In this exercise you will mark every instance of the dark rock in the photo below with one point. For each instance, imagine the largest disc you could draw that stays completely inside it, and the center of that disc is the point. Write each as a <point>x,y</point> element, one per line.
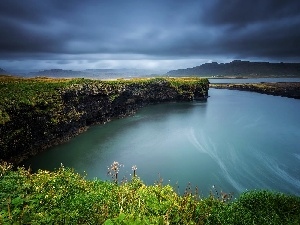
<point>284,89</point>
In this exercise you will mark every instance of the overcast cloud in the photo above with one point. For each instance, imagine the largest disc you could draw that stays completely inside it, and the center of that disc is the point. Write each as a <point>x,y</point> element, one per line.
<point>164,34</point>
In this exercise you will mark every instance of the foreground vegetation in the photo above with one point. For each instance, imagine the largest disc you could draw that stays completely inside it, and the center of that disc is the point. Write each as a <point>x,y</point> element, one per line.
<point>66,197</point>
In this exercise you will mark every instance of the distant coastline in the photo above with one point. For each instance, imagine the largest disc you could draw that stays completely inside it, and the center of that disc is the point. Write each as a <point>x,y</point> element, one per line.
<point>283,89</point>
<point>235,69</point>
<point>87,73</point>
<point>240,69</point>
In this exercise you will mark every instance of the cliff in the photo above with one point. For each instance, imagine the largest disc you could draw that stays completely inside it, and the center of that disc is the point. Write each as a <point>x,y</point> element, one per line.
<point>38,113</point>
<point>240,68</point>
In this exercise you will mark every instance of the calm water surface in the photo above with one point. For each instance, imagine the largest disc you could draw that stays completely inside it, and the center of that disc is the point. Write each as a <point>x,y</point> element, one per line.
<point>235,141</point>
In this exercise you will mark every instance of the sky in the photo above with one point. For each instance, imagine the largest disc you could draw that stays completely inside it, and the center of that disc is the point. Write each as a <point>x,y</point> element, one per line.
<point>154,34</point>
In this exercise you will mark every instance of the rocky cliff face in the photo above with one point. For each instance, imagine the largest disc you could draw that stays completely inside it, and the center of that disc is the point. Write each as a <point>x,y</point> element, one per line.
<point>32,128</point>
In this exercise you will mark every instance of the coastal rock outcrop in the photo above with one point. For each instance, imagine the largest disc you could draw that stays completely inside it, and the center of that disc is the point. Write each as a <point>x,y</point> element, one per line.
<point>54,111</point>
<point>284,89</point>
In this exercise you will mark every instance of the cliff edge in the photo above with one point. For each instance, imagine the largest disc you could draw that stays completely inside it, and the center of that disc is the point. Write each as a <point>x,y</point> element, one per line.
<point>41,112</point>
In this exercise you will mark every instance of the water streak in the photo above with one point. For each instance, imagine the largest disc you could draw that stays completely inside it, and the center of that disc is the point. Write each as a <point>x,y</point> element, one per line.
<point>297,155</point>
<point>210,148</point>
<point>271,166</point>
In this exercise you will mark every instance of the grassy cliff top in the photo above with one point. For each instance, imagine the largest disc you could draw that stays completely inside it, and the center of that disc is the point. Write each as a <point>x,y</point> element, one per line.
<point>46,92</point>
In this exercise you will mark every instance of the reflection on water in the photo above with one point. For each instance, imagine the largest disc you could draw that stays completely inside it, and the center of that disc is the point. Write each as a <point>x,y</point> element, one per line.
<point>235,141</point>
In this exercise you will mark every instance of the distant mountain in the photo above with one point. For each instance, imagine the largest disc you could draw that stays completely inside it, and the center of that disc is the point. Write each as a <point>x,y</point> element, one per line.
<point>57,73</point>
<point>3,72</point>
<point>97,73</point>
<point>240,68</point>
<point>127,73</point>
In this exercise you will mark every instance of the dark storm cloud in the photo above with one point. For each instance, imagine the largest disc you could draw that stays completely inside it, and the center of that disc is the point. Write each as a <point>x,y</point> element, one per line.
<point>241,13</point>
<point>266,28</point>
<point>33,27</point>
<point>66,30</point>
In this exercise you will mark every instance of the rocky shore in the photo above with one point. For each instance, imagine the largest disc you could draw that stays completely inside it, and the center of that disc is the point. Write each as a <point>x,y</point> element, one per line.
<point>284,89</point>
<point>36,114</point>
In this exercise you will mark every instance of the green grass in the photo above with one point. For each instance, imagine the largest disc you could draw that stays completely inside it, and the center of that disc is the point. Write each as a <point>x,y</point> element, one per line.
<point>45,94</point>
<point>40,93</point>
<point>66,197</point>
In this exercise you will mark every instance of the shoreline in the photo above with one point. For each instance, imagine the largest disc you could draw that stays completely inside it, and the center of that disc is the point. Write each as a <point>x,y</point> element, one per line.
<point>283,89</point>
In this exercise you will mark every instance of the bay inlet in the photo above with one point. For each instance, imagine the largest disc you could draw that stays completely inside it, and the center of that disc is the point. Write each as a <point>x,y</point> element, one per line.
<point>236,141</point>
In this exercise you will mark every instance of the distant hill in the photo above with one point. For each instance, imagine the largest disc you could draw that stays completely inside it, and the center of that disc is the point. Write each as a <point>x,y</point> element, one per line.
<point>97,73</point>
<point>116,73</point>
<point>57,73</point>
<point>3,72</point>
<point>240,68</point>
